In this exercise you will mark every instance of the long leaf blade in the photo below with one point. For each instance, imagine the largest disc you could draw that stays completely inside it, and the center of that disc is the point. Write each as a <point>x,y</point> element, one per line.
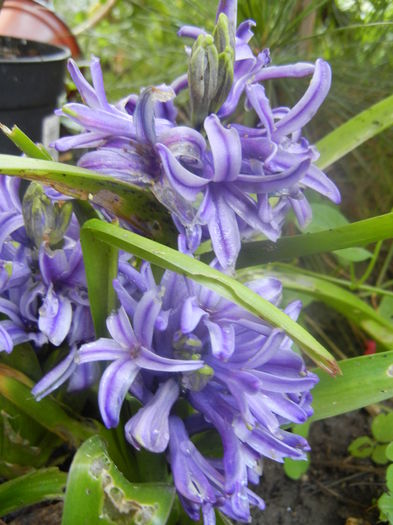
<point>365,380</point>
<point>34,487</point>
<point>358,233</point>
<point>355,131</point>
<point>16,387</point>
<point>126,201</point>
<point>224,285</point>
<point>97,492</point>
<point>100,272</point>
<point>343,301</point>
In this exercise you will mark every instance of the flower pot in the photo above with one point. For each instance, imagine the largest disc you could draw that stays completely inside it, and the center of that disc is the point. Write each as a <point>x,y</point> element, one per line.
<point>30,19</point>
<point>31,81</point>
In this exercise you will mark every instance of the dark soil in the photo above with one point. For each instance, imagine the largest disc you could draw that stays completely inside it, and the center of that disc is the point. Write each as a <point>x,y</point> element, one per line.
<point>12,48</point>
<point>336,490</point>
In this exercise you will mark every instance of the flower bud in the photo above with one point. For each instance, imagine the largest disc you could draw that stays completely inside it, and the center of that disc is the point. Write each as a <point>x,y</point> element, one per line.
<point>44,221</point>
<point>210,72</point>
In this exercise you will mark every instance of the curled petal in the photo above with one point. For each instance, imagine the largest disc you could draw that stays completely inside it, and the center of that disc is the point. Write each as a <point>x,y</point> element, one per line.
<point>301,208</point>
<point>275,183</point>
<point>222,339</point>
<point>244,31</point>
<point>226,149</point>
<point>89,139</point>
<point>100,120</point>
<point>191,314</point>
<point>56,377</point>
<point>149,427</point>
<point>189,478</point>
<point>9,222</point>
<point>299,70</point>
<point>224,231</point>
<point>120,328</point>
<point>6,342</point>
<point>309,104</point>
<point>55,316</point>
<point>318,181</point>
<point>182,180</point>
<point>87,93</point>
<point>98,82</point>
<point>151,361</point>
<point>285,384</point>
<point>191,31</point>
<point>145,317</point>
<point>114,384</point>
<point>83,377</point>
<point>259,101</point>
<point>53,264</point>
<point>103,349</point>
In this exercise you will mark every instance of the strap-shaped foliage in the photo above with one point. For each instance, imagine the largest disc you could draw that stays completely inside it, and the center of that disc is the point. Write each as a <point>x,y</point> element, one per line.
<point>97,492</point>
<point>170,259</point>
<point>355,131</point>
<point>34,487</point>
<point>343,301</point>
<point>131,203</point>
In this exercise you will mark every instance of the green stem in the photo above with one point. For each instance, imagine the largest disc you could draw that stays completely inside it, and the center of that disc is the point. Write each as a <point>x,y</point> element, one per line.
<point>371,265</point>
<point>343,282</point>
<point>385,266</point>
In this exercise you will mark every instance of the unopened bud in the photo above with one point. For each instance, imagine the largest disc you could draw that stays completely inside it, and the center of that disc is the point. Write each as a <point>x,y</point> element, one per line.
<point>202,76</point>
<point>44,221</point>
<point>210,72</point>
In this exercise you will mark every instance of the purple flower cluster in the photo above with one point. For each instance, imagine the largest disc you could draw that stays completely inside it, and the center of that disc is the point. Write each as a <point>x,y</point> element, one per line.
<point>224,180</point>
<point>195,362</point>
<point>180,341</point>
<point>43,291</point>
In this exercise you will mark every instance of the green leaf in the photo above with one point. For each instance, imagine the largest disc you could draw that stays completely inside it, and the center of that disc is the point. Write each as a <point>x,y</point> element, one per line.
<point>343,301</point>
<point>354,254</point>
<point>23,442</point>
<point>361,447</point>
<point>354,132</point>
<point>389,478</point>
<point>100,272</point>
<point>389,452</point>
<point>382,427</point>
<point>327,217</point>
<point>34,487</point>
<point>365,380</point>
<point>97,486</point>
<point>386,308</point>
<point>16,388</point>
<point>324,217</point>
<point>50,414</point>
<point>128,202</point>
<point>224,285</point>
<point>24,143</point>
<point>358,233</point>
<point>24,358</point>
<point>379,455</point>
<point>295,469</point>
<point>385,505</point>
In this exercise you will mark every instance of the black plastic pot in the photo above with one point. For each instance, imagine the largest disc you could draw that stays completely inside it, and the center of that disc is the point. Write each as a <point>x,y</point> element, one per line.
<point>31,81</point>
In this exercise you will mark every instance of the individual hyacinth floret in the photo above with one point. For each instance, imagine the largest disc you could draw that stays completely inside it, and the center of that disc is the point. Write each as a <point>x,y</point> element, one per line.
<point>220,180</point>
<point>179,341</point>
